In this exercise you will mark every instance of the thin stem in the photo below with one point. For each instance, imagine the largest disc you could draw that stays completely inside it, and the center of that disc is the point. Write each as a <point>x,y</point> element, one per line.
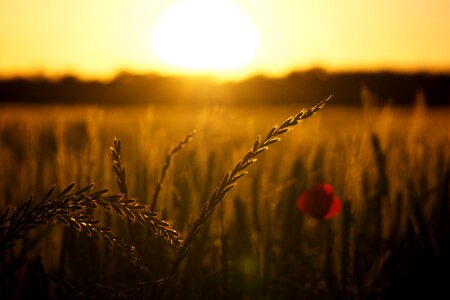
<point>239,170</point>
<point>168,160</point>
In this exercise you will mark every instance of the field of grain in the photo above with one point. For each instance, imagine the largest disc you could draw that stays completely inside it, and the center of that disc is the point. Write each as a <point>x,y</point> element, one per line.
<point>390,166</point>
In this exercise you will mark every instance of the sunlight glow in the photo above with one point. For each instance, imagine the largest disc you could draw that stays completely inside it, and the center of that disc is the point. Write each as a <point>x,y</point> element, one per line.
<point>205,35</point>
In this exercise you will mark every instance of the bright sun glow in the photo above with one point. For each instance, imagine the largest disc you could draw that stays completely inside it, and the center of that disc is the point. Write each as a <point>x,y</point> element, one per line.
<point>205,35</point>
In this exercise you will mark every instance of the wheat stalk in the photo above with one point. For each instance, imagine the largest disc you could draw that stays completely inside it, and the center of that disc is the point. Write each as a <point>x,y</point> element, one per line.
<point>70,209</point>
<point>166,166</point>
<point>239,170</point>
<point>134,210</point>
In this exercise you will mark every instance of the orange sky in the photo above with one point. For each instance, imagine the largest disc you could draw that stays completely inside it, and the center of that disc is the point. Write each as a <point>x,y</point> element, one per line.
<point>96,39</point>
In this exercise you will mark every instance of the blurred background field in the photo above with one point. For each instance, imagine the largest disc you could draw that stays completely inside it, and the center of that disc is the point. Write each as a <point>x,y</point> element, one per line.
<point>392,164</point>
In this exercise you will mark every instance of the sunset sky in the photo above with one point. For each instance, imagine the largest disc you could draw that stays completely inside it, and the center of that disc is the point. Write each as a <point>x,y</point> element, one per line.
<point>98,38</point>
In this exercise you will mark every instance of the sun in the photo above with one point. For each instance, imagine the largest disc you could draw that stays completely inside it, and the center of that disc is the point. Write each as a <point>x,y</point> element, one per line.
<point>205,35</point>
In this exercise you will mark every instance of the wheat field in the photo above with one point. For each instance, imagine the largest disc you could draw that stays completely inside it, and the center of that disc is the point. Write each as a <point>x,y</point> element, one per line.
<point>389,165</point>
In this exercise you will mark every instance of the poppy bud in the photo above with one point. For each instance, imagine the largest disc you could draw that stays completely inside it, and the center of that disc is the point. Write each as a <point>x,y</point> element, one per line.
<point>320,202</point>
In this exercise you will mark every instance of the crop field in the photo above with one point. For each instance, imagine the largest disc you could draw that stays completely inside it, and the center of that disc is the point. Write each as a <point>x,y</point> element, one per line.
<point>389,167</point>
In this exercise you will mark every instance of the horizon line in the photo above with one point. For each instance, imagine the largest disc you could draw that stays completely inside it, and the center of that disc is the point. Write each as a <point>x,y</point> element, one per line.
<point>56,76</point>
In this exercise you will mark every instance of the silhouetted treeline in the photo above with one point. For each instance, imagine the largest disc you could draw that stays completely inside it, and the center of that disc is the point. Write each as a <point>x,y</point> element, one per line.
<point>298,87</point>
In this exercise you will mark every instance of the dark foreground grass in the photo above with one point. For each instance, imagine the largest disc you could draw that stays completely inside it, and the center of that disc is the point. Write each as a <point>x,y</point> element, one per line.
<point>390,168</point>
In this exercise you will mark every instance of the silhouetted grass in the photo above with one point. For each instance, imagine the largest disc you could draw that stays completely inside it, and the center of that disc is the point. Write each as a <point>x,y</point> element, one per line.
<point>390,166</point>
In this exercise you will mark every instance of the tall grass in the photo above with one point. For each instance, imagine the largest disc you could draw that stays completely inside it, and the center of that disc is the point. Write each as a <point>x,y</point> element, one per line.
<point>389,165</point>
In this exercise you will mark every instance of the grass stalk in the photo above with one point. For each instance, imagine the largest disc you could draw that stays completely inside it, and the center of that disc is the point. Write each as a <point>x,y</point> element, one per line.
<point>166,166</point>
<point>149,218</point>
<point>239,170</point>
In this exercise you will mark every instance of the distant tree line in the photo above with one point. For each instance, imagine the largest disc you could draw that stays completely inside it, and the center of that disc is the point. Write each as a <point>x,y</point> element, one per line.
<point>298,87</point>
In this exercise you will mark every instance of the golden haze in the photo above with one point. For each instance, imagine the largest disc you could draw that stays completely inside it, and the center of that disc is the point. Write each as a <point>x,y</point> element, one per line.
<point>96,39</point>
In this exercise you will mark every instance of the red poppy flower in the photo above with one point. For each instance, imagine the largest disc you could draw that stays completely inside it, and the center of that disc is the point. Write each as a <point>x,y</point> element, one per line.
<point>320,202</point>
